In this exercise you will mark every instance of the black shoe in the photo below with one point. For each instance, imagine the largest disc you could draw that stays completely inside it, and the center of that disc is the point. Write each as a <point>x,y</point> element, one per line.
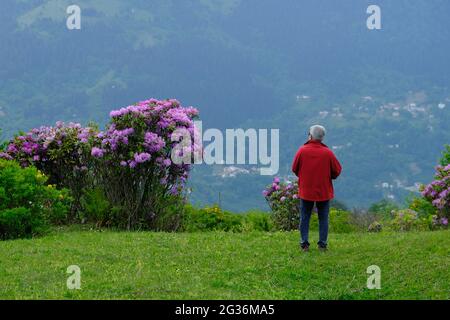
<point>304,247</point>
<point>322,247</point>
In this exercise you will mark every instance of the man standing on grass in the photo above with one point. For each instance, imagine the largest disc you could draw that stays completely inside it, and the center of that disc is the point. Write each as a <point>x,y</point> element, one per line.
<point>315,165</point>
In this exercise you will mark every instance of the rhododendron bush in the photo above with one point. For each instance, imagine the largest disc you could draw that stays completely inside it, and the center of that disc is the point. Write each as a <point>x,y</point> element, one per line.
<point>135,162</point>
<point>60,152</point>
<point>283,201</point>
<point>438,192</point>
<point>141,161</point>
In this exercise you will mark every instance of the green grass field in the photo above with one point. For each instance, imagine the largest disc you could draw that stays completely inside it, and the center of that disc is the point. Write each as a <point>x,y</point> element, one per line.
<point>216,265</point>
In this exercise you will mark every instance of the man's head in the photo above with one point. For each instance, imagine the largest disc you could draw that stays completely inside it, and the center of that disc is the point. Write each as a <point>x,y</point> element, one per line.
<point>317,132</point>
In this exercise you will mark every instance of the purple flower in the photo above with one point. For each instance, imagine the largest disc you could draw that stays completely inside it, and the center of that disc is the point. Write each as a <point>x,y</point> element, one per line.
<point>97,152</point>
<point>437,203</point>
<point>444,193</point>
<point>4,155</point>
<point>133,164</point>
<point>141,157</point>
<point>153,142</point>
<point>444,221</point>
<point>12,148</point>
<point>167,162</point>
<point>174,190</point>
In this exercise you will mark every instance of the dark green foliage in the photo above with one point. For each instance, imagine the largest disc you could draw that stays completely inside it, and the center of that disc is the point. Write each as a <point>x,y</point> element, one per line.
<point>339,222</point>
<point>211,218</point>
<point>445,160</point>
<point>422,206</point>
<point>27,203</point>
<point>215,219</point>
<point>258,220</point>
<point>362,220</point>
<point>171,218</point>
<point>286,218</point>
<point>95,208</point>
<point>20,223</point>
<point>407,220</point>
<point>383,208</point>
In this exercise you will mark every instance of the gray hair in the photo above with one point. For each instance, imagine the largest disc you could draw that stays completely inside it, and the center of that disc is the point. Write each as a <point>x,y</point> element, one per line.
<point>317,132</point>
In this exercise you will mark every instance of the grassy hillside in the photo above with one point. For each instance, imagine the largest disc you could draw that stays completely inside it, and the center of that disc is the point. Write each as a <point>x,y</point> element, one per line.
<point>217,265</point>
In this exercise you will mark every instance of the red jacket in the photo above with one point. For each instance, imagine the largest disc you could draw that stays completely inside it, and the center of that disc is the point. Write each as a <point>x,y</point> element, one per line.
<point>315,165</point>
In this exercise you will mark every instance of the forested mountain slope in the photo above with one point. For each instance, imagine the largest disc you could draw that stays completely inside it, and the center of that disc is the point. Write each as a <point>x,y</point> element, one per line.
<point>383,94</point>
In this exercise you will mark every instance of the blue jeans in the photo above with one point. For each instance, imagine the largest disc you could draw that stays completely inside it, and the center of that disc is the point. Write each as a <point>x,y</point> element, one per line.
<point>323,208</point>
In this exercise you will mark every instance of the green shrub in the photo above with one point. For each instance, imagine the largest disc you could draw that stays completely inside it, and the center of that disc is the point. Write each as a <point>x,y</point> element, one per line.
<point>211,218</point>
<point>258,221</point>
<point>407,220</point>
<point>282,198</point>
<point>362,220</point>
<point>339,221</point>
<point>215,219</point>
<point>422,206</point>
<point>95,208</point>
<point>383,209</point>
<point>27,203</point>
<point>20,223</point>
<point>171,218</point>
